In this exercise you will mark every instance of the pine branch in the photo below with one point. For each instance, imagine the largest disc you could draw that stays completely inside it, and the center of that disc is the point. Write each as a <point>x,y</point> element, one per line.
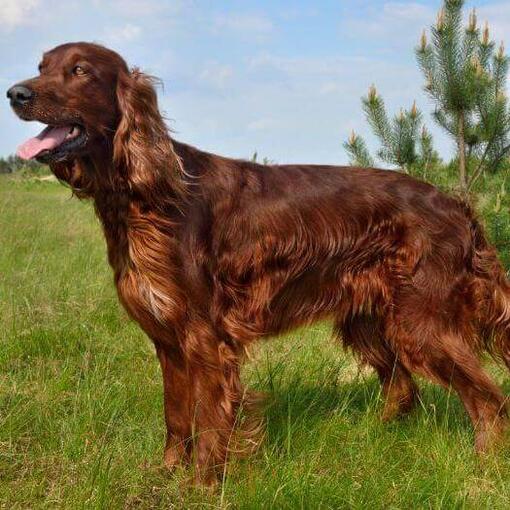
<point>375,111</point>
<point>358,151</point>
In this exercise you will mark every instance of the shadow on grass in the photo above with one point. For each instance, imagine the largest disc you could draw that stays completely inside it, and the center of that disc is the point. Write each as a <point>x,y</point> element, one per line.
<point>302,407</point>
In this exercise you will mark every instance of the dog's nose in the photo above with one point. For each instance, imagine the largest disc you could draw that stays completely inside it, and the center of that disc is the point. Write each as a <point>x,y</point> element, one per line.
<point>19,95</point>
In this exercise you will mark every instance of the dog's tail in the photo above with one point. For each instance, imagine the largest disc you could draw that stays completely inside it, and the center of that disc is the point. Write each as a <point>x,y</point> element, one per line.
<point>490,293</point>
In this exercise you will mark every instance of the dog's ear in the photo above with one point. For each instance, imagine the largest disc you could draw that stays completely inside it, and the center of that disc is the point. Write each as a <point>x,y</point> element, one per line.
<point>142,149</point>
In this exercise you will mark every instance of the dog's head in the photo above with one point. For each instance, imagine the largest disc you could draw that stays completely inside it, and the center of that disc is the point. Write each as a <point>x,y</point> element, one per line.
<point>75,95</point>
<point>93,105</point>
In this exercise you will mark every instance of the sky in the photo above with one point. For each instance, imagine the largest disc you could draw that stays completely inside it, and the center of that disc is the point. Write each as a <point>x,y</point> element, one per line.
<point>283,78</point>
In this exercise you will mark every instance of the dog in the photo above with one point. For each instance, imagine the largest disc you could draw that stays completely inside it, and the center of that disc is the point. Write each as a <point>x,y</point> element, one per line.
<point>210,254</point>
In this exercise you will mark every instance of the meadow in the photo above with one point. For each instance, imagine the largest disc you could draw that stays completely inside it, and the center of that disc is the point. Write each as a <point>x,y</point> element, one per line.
<point>81,421</point>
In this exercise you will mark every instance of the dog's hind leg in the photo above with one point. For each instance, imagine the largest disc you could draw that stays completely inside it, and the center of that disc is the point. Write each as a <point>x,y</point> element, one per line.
<point>363,335</point>
<point>447,357</point>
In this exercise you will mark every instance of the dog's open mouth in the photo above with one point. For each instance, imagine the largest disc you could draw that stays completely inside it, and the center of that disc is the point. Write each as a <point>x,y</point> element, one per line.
<point>53,142</point>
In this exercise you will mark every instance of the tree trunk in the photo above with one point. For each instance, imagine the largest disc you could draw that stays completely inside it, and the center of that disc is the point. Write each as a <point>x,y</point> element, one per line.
<point>461,144</point>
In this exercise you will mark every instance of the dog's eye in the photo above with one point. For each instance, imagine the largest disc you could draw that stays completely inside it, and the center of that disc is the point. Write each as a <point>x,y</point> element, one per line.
<point>78,71</point>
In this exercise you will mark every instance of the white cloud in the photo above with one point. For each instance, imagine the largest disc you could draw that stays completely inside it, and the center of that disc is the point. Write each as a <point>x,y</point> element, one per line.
<point>406,11</point>
<point>329,87</point>
<point>244,24</point>
<point>126,33</point>
<point>217,75</point>
<point>261,124</point>
<point>313,66</point>
<point>16,12</point>
<point>141,8</point>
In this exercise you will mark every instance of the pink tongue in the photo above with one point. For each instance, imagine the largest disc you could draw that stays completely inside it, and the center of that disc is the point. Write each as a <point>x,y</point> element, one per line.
<point>47,139</point>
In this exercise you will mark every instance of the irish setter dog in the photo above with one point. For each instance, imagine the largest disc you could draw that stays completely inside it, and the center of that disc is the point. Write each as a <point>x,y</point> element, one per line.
<point>211,253</point>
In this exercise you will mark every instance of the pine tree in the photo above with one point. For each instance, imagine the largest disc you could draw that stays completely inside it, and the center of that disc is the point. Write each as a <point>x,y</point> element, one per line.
<point>466,78</point>
<point>405,142</point>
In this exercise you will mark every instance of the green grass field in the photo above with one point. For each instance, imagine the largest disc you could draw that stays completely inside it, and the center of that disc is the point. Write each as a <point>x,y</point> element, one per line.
<point>81,421</point>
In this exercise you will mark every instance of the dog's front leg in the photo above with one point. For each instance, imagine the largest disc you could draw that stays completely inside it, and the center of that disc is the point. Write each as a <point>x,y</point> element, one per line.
<point>176,398</point>
<point>202,396</point>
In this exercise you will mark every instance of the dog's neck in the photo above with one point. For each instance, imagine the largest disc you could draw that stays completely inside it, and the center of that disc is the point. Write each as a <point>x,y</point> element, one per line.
<point>126,213</point>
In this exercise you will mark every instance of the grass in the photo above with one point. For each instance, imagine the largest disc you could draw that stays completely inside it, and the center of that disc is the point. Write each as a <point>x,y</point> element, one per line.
<point>81,421</point>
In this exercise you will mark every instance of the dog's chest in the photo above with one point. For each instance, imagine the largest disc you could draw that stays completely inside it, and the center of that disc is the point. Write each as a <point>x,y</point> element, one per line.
<point>143,256</point>
<point>150,295</point>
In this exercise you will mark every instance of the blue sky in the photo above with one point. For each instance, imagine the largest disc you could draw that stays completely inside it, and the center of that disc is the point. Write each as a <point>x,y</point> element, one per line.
<point>281,77</point>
